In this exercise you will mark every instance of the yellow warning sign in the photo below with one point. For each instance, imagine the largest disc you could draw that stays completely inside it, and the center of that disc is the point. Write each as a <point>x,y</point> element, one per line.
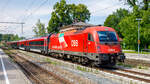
<point>138,41</point>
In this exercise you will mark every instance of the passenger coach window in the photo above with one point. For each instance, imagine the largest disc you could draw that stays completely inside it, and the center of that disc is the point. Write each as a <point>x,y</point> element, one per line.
<point>90,37</point>
<point>42,42</point>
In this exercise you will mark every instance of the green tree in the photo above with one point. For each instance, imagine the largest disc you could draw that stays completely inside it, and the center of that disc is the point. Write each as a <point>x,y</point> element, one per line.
<point>129,29</point>
<point>15,38</point>
<point>10,37</point>
<point>53,23</point>
<point>1,37</point>
<point>39,30</point>
<point>79,13</point>
<point>143,4</point>
<point>114,19</point>
<point>7,37</point>
<point>126,25</point>
<point>65,14</point>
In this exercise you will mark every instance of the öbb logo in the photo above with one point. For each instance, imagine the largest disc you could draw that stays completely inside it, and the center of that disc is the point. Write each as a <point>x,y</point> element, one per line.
<point>74,43</point>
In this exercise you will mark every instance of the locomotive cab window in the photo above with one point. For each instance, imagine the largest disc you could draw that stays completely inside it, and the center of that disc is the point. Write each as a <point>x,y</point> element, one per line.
<point>90,37</point>
<point>107,36</point>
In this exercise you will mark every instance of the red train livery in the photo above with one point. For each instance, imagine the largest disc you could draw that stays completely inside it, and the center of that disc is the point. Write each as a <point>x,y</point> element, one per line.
<point>97,45</point>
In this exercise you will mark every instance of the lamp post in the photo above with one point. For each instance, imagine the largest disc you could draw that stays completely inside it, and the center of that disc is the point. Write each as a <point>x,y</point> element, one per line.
<point>138,19</point>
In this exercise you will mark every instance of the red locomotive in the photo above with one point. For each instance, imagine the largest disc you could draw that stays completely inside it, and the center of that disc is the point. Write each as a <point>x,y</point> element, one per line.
<point>96,45</point>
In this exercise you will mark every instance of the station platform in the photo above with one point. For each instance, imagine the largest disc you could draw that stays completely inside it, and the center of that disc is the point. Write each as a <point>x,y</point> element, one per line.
<point>144,57</point>
<point>10,73</point>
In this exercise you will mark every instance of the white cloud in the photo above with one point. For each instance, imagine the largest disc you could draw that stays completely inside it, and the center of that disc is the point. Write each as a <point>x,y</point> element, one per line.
<point>104,7</point>
<point>44,11</point>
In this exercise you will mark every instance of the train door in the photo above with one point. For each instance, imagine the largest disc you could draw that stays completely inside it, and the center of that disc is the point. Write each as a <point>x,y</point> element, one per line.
<point>85,46</point>
<point>90,44</point>
<point>26,43</point>
<point>45,45</point>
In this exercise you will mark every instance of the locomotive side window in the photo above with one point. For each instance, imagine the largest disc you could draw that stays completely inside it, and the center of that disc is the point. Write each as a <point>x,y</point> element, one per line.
<point>90,37</point>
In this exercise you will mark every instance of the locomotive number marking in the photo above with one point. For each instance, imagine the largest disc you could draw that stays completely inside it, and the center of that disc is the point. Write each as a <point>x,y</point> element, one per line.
<point>74,43</point>
<point>111,49</point>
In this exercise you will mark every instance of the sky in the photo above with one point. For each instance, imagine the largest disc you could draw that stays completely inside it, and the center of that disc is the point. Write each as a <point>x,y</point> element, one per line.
<point>29,11</point>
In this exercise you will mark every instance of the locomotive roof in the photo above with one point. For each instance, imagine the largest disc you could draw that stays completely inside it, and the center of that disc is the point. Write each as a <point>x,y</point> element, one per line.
<point>88,29</point>
<point>75,26</point>
<point>100,28</point>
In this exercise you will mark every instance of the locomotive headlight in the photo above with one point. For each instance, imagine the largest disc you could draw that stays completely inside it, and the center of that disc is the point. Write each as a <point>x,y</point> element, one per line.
<point>98,49</point>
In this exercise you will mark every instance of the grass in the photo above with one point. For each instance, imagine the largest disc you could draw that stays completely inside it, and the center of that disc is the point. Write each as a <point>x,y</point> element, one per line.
<point>142,67</point>
<point>51,62</point>
<point>81,69</point>
<point>7,52</point>
<point>136,52</point>
<point>125,65</point>
<point>87,69</point>
<point>77,67</point>
<point>132,66</point>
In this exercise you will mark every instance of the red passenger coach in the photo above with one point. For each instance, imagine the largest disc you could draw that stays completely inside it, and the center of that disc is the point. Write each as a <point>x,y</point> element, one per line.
<point>36,44</point>
<point>22,44</point>
<point>13,44</point>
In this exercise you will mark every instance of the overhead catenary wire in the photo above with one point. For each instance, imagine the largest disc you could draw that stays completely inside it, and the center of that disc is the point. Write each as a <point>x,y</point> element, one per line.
<point>25,19</point>
<point>25,11</point>
<point>28,8</point>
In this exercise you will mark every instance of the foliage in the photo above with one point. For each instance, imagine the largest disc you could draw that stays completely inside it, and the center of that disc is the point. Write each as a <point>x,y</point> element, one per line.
<point>65,14</point>
<point>1,37</point>
<point>79,13</point>
<point>16,38</point>
<point>149,47</point>
<point>142,67</point>
<point>114,19</point>
<point>10,37</point>
<point>129,29</point>
<point>142,4</point>
<point>126,25</point>
<point>125,65</point>
<point>39,30</point>
<point>81,68</point>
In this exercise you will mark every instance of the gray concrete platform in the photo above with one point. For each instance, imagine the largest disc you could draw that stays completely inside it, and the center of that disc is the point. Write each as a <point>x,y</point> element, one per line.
<point>10,73</point>
<point>144,57</point>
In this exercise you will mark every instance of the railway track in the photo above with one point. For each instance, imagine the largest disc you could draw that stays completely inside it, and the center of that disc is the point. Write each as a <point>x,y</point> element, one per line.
<point>138,73</point>
<point>127,73</point>
<point>36,74</point>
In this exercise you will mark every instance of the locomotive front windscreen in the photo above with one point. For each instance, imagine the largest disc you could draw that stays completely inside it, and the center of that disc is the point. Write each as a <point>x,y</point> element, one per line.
<point>107,36</point>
